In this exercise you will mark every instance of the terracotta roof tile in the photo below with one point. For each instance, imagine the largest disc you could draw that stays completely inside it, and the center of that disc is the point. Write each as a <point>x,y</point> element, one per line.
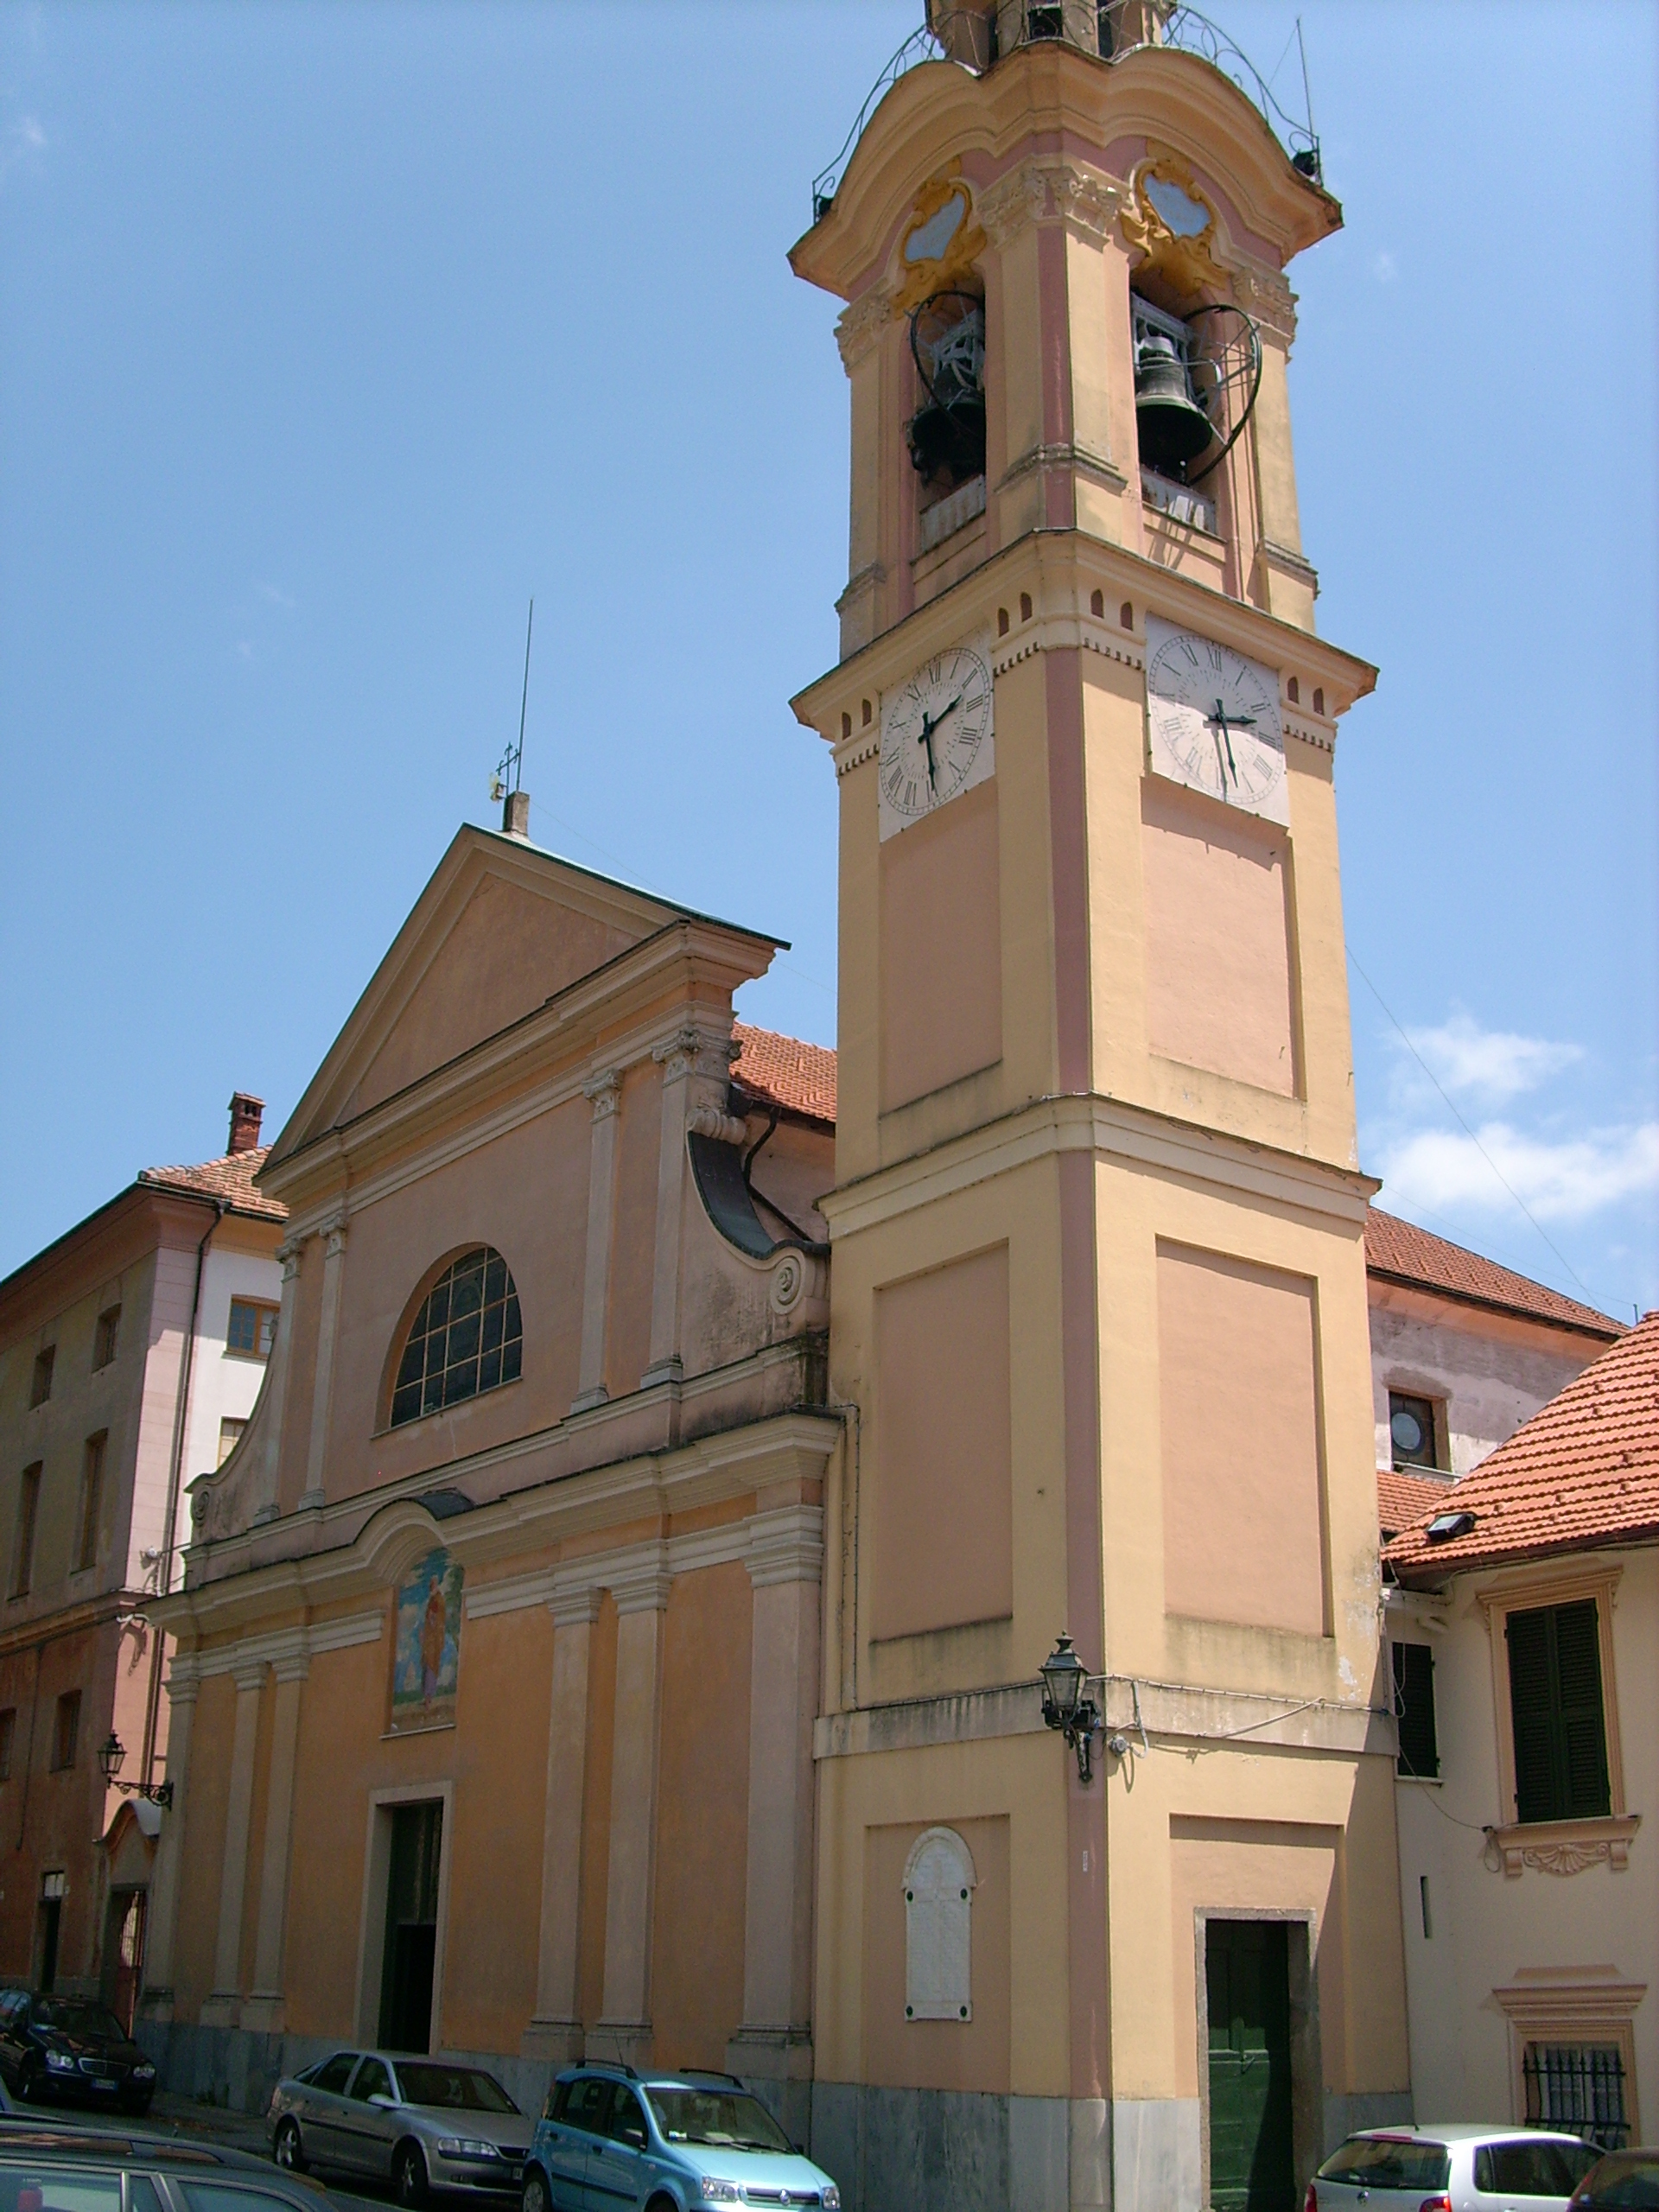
<point>1400,1250</point>
<point>783,1072</point>
<point>1582,1472</point>
<point>1404,1499</point>
<point>230,1178</point>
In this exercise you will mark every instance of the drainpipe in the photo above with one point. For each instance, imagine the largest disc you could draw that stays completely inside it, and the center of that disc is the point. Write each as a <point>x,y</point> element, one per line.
<point>181,1437</point>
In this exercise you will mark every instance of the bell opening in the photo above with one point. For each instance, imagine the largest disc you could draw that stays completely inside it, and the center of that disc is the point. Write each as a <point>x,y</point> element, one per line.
<point>947,434</point>
<point>1174,428</point>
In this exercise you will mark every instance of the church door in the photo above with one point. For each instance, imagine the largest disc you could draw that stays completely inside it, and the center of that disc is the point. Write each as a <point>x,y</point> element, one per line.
<point>1246,1978</point>
<point>411,1927</point>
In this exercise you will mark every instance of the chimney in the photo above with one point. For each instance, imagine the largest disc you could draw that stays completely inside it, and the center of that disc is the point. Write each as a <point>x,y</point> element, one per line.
<point>515,815</point>
<point>246,1113</point>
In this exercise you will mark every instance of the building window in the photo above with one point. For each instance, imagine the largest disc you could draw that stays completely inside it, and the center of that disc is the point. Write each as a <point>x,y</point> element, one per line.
<point>7,1736</point>
<point>466,1337</point>
<point>106,1337</point>
<point>66,1730</point>
<point>252,1330</point>
<point>230,1435</point>
<point>91,1491</point>
<point>1413,1430</point>
<point>40,1388</point>
<point>1556,1707</point>
<point>1414,1709</point>
<point>22,1537</point>
<point>1579,2088</point>
<point>940,1885</point>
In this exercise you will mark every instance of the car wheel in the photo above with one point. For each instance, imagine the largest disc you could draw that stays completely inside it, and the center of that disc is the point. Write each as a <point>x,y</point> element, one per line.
<point>289,2150</point>
<point>409,2174</point>
<point>537,2197</point>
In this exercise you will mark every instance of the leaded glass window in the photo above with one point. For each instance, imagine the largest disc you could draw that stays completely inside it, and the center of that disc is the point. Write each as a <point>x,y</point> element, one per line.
<point>466,1337</point>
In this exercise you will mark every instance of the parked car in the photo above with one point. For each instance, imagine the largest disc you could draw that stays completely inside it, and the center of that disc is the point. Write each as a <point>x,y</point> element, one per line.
<point>1624,2181</point>
<point>608,2137</point>
<point>420,2123</point>
<point>89,2169</point>
<point>1451,2169</point>
<point>71,2047</point>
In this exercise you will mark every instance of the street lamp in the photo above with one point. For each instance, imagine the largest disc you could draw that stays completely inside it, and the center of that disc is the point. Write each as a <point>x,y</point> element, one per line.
<point>1065,1708</point>
<point>111,1752</point>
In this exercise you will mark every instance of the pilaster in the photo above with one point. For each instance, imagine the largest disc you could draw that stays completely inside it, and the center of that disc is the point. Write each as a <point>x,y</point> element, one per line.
<point>697,1070</point>
<point>605,1090</point>
<point>222,2008</point>
<point>623,2030</point>
<point>334,1267</point>
<point>554,2035</point>
<point>276,1389</point>
<point>183,1686</point>
<point>263,2011</point>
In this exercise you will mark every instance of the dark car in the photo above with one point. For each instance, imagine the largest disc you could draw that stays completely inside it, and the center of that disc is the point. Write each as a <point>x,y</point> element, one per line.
<point>71,2047</point>
<point>1624,2181</point>
<point>87,2170</point>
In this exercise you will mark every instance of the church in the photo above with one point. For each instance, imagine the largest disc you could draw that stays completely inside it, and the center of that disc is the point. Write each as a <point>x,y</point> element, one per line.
<point>620,1629</point>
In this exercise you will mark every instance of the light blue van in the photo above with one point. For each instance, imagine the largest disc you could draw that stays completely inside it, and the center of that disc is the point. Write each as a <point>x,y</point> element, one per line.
<point>611,2140</point>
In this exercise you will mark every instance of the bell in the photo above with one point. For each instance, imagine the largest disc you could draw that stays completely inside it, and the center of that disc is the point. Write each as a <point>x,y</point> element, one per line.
<point>1174,428</point>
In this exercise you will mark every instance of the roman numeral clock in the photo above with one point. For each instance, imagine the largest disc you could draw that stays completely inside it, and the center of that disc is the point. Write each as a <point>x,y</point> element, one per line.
<point>936,739</point>
<point>1213,721</point>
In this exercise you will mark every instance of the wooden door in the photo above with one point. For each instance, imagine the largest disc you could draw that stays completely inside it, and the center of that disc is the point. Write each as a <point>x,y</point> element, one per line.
<point>1246,1980</point>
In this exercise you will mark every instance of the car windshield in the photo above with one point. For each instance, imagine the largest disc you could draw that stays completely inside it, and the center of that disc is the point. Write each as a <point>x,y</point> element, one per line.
<point>1626,2182</point>
<point>731,2118</point>
<point>74,2015</point>
<point>453,2088</point>
<point>1390,2162</point>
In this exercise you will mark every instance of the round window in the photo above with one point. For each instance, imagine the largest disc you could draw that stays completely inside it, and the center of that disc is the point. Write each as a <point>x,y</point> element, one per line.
<point>1407,1431</point>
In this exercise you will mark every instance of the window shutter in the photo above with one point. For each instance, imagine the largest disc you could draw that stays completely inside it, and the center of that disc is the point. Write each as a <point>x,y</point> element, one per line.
<point>1528,1640</point>
<point>1414,1706</point>
<point>1583,1756</point>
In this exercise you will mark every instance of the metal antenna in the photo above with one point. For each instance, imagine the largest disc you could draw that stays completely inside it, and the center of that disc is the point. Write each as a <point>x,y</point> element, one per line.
<point>509,769</point>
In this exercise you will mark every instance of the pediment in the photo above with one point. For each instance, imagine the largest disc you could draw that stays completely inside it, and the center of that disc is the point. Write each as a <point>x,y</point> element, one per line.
<point>498,929</point>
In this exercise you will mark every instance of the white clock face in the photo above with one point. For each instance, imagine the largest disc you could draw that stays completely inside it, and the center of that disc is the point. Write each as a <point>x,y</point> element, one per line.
<point>936,736</point>
<point>1213,721</point>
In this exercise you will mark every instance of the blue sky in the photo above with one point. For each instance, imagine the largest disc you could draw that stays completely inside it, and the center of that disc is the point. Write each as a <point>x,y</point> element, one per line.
<point>330,334</point>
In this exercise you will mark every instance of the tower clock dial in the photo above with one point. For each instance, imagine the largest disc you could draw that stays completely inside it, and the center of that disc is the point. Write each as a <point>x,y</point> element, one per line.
<point>1213,721</point>
<point>936,736</point>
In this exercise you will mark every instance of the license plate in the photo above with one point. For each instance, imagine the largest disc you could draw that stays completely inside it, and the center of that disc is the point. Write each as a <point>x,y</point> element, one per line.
<point>96,2084</point>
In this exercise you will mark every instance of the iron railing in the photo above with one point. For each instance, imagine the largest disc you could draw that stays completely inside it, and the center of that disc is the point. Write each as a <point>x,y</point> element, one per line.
<point>1185,29</point>
<point>1578,2086</point>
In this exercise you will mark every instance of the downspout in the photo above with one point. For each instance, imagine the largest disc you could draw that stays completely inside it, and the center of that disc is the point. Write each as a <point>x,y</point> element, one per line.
<point>169,1529</point>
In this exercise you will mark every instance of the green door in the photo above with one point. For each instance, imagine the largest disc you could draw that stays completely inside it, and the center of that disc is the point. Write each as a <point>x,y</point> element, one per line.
<point>1247,1976</point>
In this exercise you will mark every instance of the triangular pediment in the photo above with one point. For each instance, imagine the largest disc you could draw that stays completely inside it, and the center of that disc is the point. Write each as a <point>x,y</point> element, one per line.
<point>500,928</point>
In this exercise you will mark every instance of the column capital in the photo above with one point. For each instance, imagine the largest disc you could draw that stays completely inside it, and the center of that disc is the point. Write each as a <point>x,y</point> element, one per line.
<point>249,1674</point>
<point>643,1586</point>
<point>1266,299</point>
<point>575,1604</point>
<point>332,1233</point>
<point>604,1091</point>
<point>183,1678</point>
<point>786,1546</point>
<point>288,1253</point>
<point>860,325</point>
<point>1049,187</point>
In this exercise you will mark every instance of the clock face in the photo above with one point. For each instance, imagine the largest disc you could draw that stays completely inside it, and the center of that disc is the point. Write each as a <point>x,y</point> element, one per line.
<point>1213,721</point>
<point>936,736</point>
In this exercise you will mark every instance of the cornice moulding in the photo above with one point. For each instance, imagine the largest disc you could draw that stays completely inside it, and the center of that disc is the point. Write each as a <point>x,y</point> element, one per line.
<point>1112,1129</point>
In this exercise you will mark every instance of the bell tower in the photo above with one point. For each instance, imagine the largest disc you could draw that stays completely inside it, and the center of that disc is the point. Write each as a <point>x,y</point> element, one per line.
<point>1098,1289</point>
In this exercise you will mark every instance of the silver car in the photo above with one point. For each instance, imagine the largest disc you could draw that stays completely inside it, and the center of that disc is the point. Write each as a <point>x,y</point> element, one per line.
<point>422,2124</point>
<point>1453,2169</point>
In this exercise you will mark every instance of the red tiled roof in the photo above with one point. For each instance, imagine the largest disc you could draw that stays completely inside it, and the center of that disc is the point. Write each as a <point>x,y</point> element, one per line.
<point>783,1072</point>
<point>1401,1251</point>
<point>1404,1499</point>
<point>230,1178</point>
<point>1582,1472</point>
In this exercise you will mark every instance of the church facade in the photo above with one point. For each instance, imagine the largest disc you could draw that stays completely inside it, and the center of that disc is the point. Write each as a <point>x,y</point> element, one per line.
<point>618,1632</point>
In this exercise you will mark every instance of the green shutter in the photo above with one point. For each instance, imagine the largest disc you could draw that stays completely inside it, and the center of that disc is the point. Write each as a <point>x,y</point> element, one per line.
<point>1414,1706</point>
<point>1584,1736</point>
<point>1560,1742</point>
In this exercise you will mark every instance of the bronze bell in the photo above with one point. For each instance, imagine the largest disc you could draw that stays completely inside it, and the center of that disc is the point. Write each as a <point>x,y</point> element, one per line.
<point>1174,428</point>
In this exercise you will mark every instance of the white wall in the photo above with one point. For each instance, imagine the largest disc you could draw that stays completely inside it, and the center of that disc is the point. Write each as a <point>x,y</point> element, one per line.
<point>1492,1930</point>
<point>1491,1373</point>
<point>224,1385</point>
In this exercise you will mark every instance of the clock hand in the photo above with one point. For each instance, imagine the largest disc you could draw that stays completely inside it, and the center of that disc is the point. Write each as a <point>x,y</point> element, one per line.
<point>1219,720</point>
<point>929,724</point>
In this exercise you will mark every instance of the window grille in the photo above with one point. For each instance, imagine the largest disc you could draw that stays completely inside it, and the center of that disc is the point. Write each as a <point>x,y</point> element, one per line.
<point>466,1337</point>
<point>1578,2086</point>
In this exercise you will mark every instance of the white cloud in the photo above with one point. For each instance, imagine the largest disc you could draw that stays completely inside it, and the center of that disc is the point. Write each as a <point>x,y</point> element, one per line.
<point>1441,1170</point>
<point>21,142</point>
<point>277,598</point>
<point>1384,268</point>
<point>1491,1066</point>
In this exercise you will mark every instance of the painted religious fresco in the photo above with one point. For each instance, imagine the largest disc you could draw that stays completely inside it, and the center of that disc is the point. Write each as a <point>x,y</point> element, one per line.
<point>426,1661</point>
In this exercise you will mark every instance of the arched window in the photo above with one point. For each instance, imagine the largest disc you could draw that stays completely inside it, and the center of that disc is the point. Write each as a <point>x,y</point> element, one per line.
<point>466,1337</point>
<point>939,1885</point>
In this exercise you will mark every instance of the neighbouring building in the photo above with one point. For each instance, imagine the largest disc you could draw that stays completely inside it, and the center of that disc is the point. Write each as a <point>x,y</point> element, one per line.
<point>1523,1612</point>
<point>131,1351</point>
